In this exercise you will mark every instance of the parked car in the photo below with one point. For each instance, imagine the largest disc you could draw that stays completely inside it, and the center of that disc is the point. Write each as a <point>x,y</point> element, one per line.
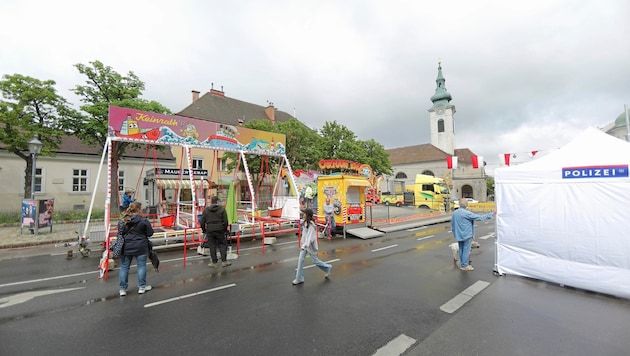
<point>471,200</point>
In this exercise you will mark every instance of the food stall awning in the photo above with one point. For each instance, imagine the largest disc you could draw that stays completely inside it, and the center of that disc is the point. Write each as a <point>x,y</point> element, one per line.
<point>357,182</point>
<point>180,184</point>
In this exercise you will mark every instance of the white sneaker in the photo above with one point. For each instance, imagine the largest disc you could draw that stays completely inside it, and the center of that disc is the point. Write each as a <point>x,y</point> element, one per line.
<point>327,274</point>
<point>141,290</point>
<point>122,292</point>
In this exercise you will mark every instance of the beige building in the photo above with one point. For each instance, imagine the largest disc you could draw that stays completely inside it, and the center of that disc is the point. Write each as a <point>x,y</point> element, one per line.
<point>430,158</point>
<point>71,176</point>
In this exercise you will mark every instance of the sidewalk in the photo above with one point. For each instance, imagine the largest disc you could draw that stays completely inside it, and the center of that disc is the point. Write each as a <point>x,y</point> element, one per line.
<point>16,237</point>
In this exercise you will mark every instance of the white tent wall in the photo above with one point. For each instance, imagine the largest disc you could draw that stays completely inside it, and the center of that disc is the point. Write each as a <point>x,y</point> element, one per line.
<point>574,232</point>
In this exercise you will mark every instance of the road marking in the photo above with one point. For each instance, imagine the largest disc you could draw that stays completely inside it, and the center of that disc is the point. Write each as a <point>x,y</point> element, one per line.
<point>47,279</point>
<point>314,265</point>
<point>189,295</point>
<point>485,237</point>
<point>417,228</point>
<point>384,248</point>
<point>426,237</point>
<point>24,297</point>
<point>462,298</point>
<point>396,347</point>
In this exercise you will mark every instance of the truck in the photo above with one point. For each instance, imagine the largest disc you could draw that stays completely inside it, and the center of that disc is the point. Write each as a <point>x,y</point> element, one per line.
<point>430,192</point>
<point>393,193</point>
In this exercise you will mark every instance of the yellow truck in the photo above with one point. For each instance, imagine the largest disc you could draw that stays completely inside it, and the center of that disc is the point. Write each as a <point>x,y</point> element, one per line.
<point>431,193</point>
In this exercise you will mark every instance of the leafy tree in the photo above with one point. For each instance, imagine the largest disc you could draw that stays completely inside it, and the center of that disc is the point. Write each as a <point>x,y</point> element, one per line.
<point>32,107</point>
<point>105,87</point>
<point>303,148</point>
<point>376,157</point>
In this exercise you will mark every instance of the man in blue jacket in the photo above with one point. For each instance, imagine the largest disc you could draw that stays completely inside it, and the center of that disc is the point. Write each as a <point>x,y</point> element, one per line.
<point>463,225</point>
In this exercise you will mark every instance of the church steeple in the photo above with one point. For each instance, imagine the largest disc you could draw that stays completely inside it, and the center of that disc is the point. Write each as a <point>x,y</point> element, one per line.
<point>441,96</point>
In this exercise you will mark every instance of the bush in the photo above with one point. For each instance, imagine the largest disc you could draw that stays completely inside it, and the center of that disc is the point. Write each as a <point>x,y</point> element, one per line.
<point>15,217</point>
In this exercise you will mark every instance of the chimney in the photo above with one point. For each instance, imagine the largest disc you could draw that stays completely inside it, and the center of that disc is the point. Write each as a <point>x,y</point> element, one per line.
<point>217,92</point>
<point>195,95</point>
<point>270,111</point>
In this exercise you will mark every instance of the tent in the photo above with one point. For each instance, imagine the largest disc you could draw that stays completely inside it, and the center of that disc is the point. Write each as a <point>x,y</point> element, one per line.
<point>565,217</point>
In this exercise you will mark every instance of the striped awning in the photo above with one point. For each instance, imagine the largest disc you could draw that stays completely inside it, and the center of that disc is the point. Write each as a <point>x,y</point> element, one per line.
<point>180,184</point>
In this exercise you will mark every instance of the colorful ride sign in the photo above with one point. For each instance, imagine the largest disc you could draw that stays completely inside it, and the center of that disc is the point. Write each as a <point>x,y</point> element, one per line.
<point>131,125</point>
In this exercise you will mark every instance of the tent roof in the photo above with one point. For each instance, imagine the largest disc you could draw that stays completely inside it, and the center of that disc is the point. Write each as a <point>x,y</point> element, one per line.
<point>591,148</point>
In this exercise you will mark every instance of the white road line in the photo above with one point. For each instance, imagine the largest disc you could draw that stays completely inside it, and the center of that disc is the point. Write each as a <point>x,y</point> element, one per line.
<point>424,238</point>
<point>485,237</point>
<point>396,347</point>
<point>24,297</point>
<point>462,298</point>
<point>384,248</point>
<point>47,279</point>
<point>417,228</point>
<point>189,295</point>
<point>314,265</point>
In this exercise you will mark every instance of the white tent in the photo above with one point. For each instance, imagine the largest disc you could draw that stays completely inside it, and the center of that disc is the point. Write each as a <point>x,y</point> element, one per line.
<point>565,218</point>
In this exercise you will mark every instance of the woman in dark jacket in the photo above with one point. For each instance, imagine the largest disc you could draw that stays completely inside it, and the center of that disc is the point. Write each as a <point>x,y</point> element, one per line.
<point>136,230</point>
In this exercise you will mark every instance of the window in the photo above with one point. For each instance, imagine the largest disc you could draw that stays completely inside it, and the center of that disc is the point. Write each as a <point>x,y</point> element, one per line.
<point>79,180</point>
<point>121,181</point>
<point>222,164</point>
<point>428,173</point>
<point>38,180</point>
<point>401,175</point>
<point>440,125</point>
<point>197,163</point>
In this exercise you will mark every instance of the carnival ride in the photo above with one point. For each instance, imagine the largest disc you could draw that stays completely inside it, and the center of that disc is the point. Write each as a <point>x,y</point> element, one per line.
<point>177,224</point>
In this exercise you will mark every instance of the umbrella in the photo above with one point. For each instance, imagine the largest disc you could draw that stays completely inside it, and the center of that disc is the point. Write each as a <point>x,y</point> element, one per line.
<point>230,209</point>
<point>230,205</point>
<point>155,261</point>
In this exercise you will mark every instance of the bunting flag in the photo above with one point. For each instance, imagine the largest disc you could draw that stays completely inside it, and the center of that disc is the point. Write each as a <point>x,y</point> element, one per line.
<point>475,161</point>
<point>506,159</point>
<point>532,154</point>
<point>451,162</point>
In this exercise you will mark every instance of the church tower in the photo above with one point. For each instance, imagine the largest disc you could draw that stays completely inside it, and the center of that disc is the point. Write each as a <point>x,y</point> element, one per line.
<point>441,117</point>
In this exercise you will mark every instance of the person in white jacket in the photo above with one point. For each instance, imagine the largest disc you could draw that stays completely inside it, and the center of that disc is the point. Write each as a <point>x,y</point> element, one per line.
<point>309,245</point>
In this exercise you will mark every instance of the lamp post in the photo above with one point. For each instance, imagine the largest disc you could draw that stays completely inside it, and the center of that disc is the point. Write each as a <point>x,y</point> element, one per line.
<point>35,147</point>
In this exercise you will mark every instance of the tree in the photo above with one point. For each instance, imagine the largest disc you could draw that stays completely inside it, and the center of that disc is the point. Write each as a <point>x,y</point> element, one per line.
<point>105,87</point>
<point>303,148</point>
<point>376,157</point>
<point>32,107</point>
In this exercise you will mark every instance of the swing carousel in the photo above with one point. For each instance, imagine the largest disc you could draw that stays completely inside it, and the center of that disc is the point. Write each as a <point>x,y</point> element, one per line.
<point>256,206</point>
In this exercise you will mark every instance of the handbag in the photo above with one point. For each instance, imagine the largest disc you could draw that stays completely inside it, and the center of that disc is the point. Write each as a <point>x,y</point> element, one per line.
<point>118,246</point>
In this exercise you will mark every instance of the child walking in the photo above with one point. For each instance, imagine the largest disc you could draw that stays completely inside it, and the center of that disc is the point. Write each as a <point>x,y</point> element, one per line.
<point>309,245</point>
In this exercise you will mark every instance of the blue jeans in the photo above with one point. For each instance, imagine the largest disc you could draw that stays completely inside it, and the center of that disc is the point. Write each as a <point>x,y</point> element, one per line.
<point>464,251</point>
<point>299,275</point>
<point>123,274</point>
<point>330,220</point>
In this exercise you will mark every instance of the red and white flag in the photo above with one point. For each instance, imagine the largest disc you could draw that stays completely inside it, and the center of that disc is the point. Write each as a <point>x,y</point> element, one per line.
<point>451,162</point>
<point>505,158</point>
<point>475,161</point>
<point>532,154</point>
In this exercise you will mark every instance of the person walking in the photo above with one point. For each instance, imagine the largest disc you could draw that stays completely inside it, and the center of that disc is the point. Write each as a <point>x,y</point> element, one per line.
<point>136,230</point>
<point>329,213</point>
<point>463,226</point>
<point>126,200</point>
<point>309,245</point>
<point>214,224</point>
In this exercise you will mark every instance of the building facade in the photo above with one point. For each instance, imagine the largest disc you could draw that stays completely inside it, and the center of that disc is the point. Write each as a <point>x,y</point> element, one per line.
<point>431,158</point>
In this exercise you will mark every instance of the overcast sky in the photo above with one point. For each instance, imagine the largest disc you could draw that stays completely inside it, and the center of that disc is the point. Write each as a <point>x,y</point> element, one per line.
<point>524,75</point>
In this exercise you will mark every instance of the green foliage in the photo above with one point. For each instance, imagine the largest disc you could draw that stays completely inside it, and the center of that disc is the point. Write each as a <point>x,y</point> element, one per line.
<point>63,216</point>
<point>376,157</point>
<point>29,107</point>
<point>490,185</point>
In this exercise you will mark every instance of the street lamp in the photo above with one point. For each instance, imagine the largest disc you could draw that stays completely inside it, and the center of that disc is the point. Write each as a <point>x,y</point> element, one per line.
<point>35,147</point>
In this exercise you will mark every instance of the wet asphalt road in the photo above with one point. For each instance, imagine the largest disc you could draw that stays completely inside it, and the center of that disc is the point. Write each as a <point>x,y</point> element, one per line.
<point>385,296</point>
